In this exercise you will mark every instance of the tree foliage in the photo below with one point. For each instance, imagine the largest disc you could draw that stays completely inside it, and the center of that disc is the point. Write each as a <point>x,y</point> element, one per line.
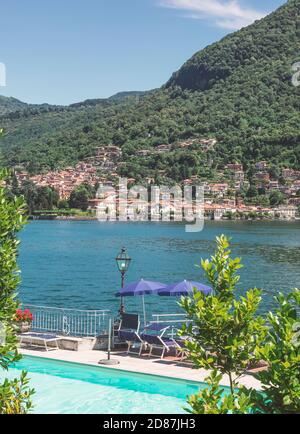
<point>276,198</point>
<point>14,395</point>
<point>281,382</point>
<point>37,198</point>
<point>226,336</point>
<point>80,196</point>
<point>225,333</point>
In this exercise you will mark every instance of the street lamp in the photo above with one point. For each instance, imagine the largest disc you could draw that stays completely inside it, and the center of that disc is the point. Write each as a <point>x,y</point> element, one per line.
<point>123,261</point>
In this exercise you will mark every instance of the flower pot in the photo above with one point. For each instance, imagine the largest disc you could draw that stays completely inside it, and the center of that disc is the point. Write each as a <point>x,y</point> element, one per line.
<point>23,327</point>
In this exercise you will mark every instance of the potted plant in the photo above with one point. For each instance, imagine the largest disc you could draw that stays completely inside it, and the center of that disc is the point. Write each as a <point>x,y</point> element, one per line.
<point>23,320</point>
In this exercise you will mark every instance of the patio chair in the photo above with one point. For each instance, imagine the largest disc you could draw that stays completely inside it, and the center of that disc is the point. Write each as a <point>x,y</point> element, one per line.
<point>181,350</point>
<point>131,338</point>
<point>39,339</point>
<point>153,336</point>
<point>130,321</point>
<point>180,340</point>
<point>129,332</point>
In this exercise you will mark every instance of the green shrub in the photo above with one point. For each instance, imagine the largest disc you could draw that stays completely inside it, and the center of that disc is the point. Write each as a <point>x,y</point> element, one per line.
<point>14,395</point>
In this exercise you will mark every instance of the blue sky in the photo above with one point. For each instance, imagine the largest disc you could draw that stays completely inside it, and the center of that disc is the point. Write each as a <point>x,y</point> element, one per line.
<point>66,51</point>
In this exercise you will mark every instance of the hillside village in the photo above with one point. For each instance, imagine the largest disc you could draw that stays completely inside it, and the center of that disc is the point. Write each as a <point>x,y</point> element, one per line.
<point>222,199</point>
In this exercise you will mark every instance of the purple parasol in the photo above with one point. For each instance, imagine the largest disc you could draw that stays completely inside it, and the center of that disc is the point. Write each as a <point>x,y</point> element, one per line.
<point>142,287</point>
<point>184,288</point>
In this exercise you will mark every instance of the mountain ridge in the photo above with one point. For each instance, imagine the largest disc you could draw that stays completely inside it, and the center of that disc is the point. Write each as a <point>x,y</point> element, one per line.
<point>11,104</point>
<point>238,90</point>
<point>244,45</point>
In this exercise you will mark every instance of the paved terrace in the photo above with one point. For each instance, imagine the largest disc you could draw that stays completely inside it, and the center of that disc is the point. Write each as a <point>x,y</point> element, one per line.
<point>168,367</point>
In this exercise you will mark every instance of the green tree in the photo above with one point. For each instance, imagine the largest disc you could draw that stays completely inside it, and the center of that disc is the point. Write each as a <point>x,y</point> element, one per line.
<point>281,381</point>
<point>276,198</point>
<point>227,336</point>
<point>212,400</point>
<point>37,198</point>
<point>47,198</point>
<point>252,192</point>
<point>14,395</point>
<point>63,204</point>
<point>30,192</point>
<point>79,198</point>
<point>225,333</point>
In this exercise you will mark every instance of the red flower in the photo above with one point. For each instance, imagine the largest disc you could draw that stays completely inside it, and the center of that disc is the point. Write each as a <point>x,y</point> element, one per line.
<point>25,315</point>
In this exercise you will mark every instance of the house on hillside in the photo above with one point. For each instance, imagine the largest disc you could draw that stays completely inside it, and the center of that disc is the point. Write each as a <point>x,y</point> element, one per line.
<point>261,165</point>
<point>235,167</point>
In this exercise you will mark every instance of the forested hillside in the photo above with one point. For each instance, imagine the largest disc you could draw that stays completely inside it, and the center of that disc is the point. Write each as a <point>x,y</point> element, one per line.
<point>8,105</point>
<point>238,90</point>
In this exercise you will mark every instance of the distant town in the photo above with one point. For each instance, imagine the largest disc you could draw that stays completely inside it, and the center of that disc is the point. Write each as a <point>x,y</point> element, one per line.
<point>223,199</point>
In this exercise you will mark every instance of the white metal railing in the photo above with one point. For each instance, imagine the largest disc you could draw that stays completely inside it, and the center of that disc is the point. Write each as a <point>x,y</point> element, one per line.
<point>174,320</point>
<point>69,322</point>
<point>170,318</point>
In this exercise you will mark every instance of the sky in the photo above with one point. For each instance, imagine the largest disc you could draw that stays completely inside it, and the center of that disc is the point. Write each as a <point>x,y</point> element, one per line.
<point>61,52</point>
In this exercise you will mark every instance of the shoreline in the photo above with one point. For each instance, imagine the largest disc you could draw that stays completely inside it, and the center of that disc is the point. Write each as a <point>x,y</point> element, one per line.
<point>62,218</point>
<point>93,218</point>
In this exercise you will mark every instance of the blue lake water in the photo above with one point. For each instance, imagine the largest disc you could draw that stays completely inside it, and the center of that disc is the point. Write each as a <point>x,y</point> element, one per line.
<point>72,264</point>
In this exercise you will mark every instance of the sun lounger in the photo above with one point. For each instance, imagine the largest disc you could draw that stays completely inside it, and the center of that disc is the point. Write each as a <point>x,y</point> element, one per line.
<point>132,338</point>
<point>129,332</point>
<point>39,339</point>
<point>181,350</point>
<point>130,321</point>
<point>153,336</point>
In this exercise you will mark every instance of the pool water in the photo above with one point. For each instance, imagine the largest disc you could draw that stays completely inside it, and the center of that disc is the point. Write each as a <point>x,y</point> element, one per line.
<point>63,387</point>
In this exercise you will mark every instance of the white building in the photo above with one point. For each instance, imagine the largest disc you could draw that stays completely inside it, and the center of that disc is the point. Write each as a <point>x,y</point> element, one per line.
<point>286,212</point>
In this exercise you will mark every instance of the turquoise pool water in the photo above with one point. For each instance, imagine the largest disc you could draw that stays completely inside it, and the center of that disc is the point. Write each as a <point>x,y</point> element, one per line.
<point>63,387</point>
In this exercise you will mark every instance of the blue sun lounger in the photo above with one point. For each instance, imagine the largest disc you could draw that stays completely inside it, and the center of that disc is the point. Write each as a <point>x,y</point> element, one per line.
<point>132,338</point>
<point>153,336</point>
<point>129,332</point>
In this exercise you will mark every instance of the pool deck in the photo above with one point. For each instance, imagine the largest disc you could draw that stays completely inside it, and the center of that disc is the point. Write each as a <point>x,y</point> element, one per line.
<point>168,367</point>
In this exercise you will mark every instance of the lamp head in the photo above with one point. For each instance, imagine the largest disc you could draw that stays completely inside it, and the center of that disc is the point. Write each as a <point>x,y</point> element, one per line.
<point>123,261</point>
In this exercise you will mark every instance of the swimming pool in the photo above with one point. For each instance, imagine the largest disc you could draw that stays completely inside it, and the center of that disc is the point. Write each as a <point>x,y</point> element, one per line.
<point>63,387</point>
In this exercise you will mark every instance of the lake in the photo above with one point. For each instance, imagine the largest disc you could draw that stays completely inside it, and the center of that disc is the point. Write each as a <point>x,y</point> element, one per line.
<point>72,264</point>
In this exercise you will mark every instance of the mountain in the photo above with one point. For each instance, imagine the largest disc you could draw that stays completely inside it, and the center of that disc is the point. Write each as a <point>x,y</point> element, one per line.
<point>262,48</point>
<point>12,105</point>
<point>238,90</point>
<point>131,94</point>
<point>118,97</point>
<point>8,105</point>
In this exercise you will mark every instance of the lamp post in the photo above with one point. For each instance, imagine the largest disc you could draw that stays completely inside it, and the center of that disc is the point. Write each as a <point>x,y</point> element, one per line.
<point>123,261</point>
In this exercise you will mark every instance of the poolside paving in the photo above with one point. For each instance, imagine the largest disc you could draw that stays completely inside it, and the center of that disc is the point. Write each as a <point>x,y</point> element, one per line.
<point>168,367</point>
